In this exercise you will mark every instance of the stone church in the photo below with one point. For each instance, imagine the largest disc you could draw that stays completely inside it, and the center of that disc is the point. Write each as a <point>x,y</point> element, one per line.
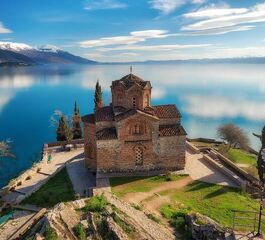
<point>132,137</point>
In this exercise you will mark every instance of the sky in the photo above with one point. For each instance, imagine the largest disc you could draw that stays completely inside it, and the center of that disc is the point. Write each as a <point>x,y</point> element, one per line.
<point>139,30</point>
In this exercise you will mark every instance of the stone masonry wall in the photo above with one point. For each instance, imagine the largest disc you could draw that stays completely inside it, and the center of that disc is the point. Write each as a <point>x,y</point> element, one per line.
<point>172,152</point>
<point>158,152</point>
<point>108,152</point>
<point>90,145</point>
<point>121,97</point>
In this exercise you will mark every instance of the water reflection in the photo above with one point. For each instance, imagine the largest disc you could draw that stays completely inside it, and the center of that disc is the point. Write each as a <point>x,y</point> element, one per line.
<point>207,96</point>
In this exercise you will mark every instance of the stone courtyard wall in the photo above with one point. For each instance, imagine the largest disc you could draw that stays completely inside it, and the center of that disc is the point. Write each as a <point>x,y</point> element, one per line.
<point>90,145</point>
<point>172,152</point>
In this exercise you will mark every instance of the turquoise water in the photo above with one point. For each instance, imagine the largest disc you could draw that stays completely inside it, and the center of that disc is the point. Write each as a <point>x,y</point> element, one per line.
<point>207,96</point>
<point>5,218</point>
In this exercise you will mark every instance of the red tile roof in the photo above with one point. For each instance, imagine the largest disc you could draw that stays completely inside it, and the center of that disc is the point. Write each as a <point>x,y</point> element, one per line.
<point>90,118</point>
<point>125,114</point>
<point>104,114</point>
<point>107,114</point>
<point>107,134</point>
<point>167,111</point>
<point>131,112</point>
<point>129,80</point>
<point>171,130</point>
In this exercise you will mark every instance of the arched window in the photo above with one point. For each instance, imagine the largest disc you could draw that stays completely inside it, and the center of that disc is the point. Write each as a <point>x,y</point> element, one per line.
<point>134,102</point>
<point>138,129</point>
<point>139,156</point>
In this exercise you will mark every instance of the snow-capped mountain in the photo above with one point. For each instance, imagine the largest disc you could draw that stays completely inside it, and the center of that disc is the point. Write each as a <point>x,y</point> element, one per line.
<point>49,48</point>
<point>12,46</point>
<point>27,55</point>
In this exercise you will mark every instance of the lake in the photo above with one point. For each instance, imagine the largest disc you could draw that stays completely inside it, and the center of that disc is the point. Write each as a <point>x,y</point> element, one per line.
<point>206,95</point>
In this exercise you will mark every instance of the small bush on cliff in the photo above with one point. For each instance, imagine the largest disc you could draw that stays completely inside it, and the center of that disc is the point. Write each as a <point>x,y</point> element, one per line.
<point>96,204</point>
<point>50,234</point>
<point>137,207</point>
<point>153,217</point>
<point>176,216</point>
<point>80,231</point>
<point>124,225</point>
<point>167,211</point>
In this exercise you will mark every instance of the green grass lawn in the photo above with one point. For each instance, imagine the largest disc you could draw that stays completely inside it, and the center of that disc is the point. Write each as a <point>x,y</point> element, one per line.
<point>58,189</point>
<point>241,156</point>
<point>123,185</point>
<point>214,201</point>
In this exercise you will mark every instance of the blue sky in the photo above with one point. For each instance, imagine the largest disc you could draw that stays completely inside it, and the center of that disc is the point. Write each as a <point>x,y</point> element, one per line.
<point>122,30</point>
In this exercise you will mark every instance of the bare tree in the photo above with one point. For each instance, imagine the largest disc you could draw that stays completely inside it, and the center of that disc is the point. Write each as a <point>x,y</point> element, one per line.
<point>234,136</point>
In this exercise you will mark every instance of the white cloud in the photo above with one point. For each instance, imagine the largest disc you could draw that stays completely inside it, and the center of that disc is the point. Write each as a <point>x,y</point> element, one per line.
<point>134,37</point>
<point>167,6</point>
<point>198,1</point>
<point>165,47</point>
<point>129,54</point>
<point>218,107</point>
<point>225,17</point>
<point>104,4</point>
<point>158,93</point>
<point>3,29</point>
<point>174,52</point>
<point>219,31</point>
<point>214,12</point>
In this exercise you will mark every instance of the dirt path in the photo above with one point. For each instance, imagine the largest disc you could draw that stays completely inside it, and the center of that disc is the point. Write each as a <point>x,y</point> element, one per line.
<point>152,201</point>
<point>138,197</point>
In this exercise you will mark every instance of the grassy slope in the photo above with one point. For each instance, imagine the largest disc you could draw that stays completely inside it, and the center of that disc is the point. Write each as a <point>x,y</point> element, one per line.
<point>216,202</point>
<point>58,189</point>
<point>123,185</point>
<point>241,156</point>
<point>238,156</point>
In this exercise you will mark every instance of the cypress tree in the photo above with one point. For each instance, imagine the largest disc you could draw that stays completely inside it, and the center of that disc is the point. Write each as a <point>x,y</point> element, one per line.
<point>64,133</point>
<point>98,96</point>
<point>76,127</point>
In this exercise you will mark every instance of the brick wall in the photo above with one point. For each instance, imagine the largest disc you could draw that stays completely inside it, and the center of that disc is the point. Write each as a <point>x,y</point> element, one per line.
<point>120,97</point>
<point>158,152</point>
<point>90,145</point>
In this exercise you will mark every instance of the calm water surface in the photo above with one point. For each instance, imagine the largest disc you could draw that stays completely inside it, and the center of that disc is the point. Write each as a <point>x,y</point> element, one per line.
<point>207,96</point>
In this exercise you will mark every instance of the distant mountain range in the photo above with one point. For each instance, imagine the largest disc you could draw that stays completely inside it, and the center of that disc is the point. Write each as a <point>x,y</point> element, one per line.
<point>17,54</point>
<point>20,54</point>
<point>243,60</point>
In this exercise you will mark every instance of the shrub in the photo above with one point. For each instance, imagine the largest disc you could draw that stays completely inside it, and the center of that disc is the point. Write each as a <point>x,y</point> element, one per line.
<point>180,213</point>
<point>125,226</point>
<point>137,207</point>
<point>50,234</point>
<point>178,223</point>
<point>96,204</point>
<point>167,211</point>
<point>153,217</point>
<point>80,231</point>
